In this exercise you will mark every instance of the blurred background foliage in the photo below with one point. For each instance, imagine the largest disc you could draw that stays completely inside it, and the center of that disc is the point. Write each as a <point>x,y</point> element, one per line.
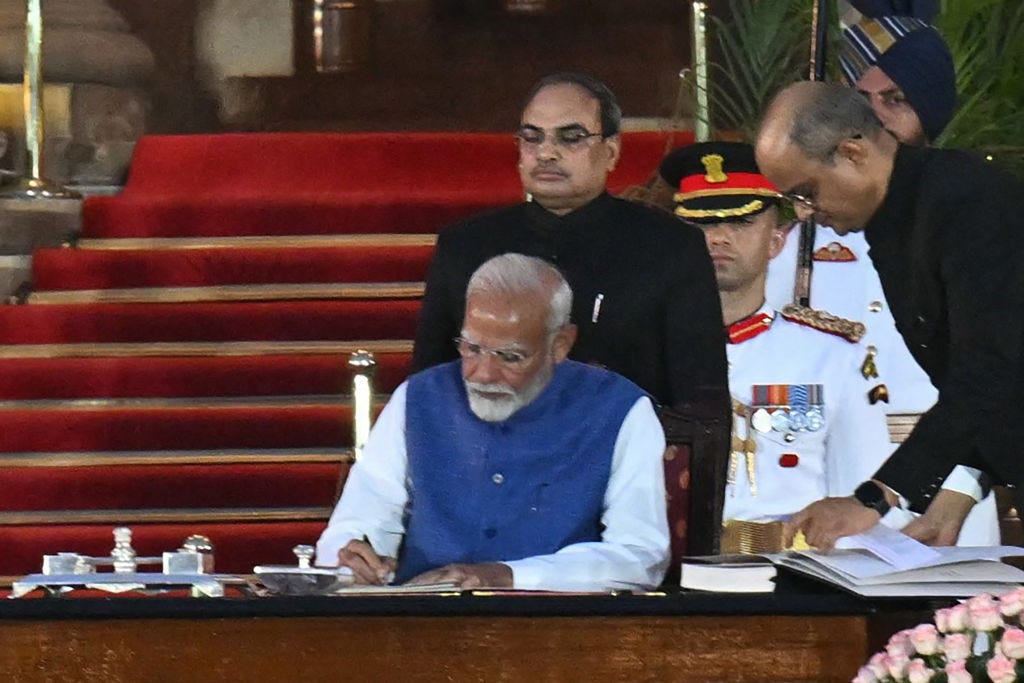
<point>758,46</point>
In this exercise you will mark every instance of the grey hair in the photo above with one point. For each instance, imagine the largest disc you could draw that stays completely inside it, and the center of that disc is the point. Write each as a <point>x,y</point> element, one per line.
<point>832,113</point>
<point>513,274</point>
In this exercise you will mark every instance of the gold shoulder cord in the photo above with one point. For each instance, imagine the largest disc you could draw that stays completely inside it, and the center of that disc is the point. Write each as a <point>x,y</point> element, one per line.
<point>850,330</point>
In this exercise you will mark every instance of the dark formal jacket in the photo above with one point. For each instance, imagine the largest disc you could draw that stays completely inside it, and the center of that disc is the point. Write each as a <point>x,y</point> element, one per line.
<point>948,243</point>
<point>644,292</point>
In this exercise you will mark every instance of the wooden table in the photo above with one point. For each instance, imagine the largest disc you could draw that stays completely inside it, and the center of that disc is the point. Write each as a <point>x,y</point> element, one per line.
<point>802,636</point>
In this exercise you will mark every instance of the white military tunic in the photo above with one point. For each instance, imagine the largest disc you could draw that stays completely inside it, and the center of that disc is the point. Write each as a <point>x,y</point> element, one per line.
<point>844,282</point>
<point>795,468</point>
<point>851,289</point>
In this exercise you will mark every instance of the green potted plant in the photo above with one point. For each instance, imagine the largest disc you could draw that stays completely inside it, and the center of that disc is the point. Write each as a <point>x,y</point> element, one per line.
<point>986,38</point>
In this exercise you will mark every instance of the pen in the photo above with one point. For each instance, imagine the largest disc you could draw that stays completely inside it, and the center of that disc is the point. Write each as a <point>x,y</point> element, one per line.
<point>597,308</point>
<point>390,576</point>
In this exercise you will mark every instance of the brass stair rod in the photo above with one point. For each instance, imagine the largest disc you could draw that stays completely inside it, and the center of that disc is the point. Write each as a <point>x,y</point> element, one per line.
<point>363,366</point>
<point>702,114</point>
<point>32,185</point>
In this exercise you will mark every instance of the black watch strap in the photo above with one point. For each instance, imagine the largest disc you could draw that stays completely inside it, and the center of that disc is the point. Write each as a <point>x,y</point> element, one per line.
<point>872,496</point>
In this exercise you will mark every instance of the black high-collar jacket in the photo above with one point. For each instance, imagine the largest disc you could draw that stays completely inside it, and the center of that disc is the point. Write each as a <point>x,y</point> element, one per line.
<point>948,244</point>
<point>644,292</point>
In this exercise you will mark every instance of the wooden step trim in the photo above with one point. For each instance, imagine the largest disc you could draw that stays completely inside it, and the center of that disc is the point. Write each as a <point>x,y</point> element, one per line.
<point>165,516</point>
<point>275,292</point>
<point>204,403</point>
<point>177,403</point>
<point>204,457</point>
<point>239,348</point>
<point>261,241</point>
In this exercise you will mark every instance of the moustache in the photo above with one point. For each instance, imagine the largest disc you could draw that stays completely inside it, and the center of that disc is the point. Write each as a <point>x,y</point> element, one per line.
<point>547,169</point>
<point>490,388</point>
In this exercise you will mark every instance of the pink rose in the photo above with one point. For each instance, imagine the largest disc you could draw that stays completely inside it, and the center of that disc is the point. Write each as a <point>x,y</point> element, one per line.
<point>925,639</point>
<point>865,675</point>
<point>919,672</point>
<point>899,644</point>
<point>956,672</point>
<point>942,620</point>
<point>879,664</point>
<point>1001,670</point>
<point>1011,604</point>
<point>1012,643</point>
<point>958,618</point>
<point>898,666</point>
<point>984,613</point>
<point>957,647</point>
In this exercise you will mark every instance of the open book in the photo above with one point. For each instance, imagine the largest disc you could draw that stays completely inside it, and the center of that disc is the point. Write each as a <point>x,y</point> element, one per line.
<point>881,562</point>
<point>886,563</point>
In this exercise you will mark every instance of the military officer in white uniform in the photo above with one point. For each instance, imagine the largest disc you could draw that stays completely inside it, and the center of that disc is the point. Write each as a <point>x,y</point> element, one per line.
<point>803,428</point>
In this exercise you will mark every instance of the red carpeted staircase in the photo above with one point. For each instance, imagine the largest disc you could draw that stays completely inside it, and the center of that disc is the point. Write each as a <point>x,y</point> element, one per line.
<point>182,368</point>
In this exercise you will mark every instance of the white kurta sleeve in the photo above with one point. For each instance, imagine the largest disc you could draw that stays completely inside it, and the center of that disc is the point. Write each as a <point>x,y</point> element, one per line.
<point>634,548</point>
<point>373,501</point>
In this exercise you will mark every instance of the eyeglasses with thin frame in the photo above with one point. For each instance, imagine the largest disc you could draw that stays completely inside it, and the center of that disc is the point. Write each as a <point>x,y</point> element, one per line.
<point>803,200</point>
<point>569,138</point>
<point>510,359</point>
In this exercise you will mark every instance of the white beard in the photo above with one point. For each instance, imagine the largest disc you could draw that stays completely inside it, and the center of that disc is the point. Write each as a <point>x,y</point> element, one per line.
<point>500,409</point>
<point>491,409</point>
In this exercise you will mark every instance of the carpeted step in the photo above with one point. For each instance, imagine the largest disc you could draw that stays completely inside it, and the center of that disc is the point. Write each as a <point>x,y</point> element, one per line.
<point>266,375</point>
<point>302,183</point>
<point>232,293</point>
<point>169,486</point>
<point>84,269</point>
<point>125,429</point>
<point>224,456</point>
<point>208,322</point>
<point>396,240</point>
<point>204,216</point>
<point>197,349</point>
<point>238,546</point>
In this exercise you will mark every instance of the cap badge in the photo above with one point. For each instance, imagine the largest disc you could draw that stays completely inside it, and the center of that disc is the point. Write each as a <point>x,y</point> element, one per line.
<point>713,166</point>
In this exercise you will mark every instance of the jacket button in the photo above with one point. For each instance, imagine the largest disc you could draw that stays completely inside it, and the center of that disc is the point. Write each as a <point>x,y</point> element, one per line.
<point>875,306</point>
<point>498,478</point>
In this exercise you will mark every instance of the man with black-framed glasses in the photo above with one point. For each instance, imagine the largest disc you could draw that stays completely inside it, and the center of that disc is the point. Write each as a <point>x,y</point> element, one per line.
<point>512,467</point>
<point>646,304</point>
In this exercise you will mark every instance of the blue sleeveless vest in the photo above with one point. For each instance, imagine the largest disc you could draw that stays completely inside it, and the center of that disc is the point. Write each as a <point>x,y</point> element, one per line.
<point>492,491</point>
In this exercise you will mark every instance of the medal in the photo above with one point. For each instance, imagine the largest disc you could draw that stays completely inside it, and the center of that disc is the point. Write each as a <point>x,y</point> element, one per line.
<point>815,419</point>
<point>780,421</point>
<point>761,420</point>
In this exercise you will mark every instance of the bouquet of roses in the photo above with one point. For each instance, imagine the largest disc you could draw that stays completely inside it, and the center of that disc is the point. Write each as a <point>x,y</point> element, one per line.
<point>979,640</point>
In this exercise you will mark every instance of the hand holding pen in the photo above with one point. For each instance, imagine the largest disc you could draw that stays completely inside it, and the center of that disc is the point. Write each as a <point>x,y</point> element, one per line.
<point>367,566</point>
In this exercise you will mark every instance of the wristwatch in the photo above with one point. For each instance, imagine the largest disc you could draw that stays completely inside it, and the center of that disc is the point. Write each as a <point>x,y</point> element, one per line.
<point>872,496</point>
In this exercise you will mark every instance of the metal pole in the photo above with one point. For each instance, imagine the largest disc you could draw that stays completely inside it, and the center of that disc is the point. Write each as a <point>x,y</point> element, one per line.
<point>32,185</point>
<point>816,72</point>
<point>363,366</point>
<point>701,126</point>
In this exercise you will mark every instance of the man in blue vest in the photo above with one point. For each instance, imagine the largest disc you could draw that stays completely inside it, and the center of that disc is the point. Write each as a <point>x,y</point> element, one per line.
<point>512,467</point>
